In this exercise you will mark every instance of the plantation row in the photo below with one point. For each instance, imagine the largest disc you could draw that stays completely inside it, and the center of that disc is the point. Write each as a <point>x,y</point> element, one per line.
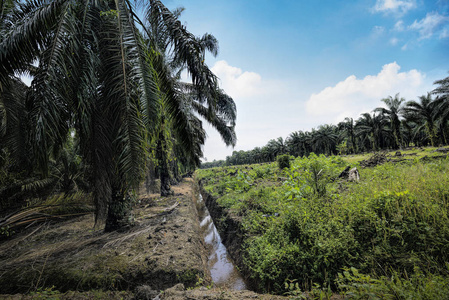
<point>401,124</point>
<point>386,236</point>
<point>106,107</point>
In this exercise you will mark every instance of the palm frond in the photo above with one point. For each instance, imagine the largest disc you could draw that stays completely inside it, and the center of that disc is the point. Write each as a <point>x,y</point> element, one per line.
<point>23,42</point>
<point>187,49</point>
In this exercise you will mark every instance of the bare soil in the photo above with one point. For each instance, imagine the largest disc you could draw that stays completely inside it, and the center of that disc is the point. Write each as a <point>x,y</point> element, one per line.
<point>164,250</point>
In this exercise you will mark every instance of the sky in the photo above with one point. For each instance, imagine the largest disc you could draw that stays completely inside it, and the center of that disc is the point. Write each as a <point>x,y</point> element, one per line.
<point>293,65</point>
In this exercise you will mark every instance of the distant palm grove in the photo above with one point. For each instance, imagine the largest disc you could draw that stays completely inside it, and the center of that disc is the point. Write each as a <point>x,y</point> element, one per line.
<point>399,124</point>
<point>106,108</point>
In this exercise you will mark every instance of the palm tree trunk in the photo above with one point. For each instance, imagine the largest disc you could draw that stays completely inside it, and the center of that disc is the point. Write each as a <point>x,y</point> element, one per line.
<point>119,210</point>
<point>352,142</point>
<point>150,182</point>
<point>164,173</point>
<point>443,130</point>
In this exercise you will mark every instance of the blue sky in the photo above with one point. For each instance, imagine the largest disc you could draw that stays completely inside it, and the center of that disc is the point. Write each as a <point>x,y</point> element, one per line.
<point>293,65</point>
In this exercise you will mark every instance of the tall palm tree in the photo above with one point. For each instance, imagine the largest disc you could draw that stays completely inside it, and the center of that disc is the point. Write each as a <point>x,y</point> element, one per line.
<point>442,107</point>
<point>372,128</point>
<point>276,147</point>
<point>423,113</point>
<point>443,88</point>
<point>347,126</point>
<point>194,99</point>
<point>256,155</point>
<point>96,74</point>
<point>393,112</point>
<point>296,143</point>
<point>13,110</point>
<point>324,139</point>
<point>14,124</point>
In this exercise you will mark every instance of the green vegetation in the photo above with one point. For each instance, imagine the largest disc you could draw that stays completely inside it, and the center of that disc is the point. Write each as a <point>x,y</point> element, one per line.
<point>305,224</point>
<point>283,161</point>
<point>106,105</point>
<point>397,286</point>
<point>107,108</point>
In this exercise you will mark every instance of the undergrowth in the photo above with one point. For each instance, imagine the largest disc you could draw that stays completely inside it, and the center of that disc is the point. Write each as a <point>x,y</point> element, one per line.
<point>55,207</point>
<point>305,224</point>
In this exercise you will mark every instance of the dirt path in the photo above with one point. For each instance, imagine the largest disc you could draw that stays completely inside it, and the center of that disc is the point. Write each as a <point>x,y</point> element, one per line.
<point>162,249</point>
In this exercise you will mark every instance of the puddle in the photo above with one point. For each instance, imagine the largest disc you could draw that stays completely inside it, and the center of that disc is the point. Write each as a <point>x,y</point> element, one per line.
<point>222,269</point>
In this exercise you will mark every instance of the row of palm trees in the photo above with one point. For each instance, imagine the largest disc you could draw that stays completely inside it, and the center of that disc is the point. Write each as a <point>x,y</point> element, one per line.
<point>398,124</point>
<point>106,88</point>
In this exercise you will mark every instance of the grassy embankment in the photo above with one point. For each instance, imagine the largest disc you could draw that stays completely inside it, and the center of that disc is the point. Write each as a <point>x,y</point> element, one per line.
<point>386,236</point>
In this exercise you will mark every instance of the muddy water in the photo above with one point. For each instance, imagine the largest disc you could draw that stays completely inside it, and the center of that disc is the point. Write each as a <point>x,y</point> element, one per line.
<point>222,270</point>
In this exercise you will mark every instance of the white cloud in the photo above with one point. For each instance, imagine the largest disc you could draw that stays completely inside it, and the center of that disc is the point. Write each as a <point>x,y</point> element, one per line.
<point>237,83</point>
<point>266,109</point>
<point>403,48</point>
<point>429,25</point>
<point>377,31</point>
<point>394,41</point>
<point>353,96</point>
<point>399,26</point>
<point>444,33</point>
<point>394,6</point>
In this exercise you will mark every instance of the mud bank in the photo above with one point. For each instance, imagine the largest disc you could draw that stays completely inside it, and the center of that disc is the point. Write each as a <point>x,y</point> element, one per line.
<point>163,248</point>
<point>230,230</point>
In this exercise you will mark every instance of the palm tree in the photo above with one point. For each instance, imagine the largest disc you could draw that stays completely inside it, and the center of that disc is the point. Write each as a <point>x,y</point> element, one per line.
<point>13,110</point>
<point>372,128</point>
<point>324,139</point>
<point>14,125</point>
<point>276,147</point>
<point>423,113</point>
<point>347,126</point>
<point>296,143</point>
<point>266,154</point>
<point>97,75</point>
<point>442,107</point>
<point>393,112</point>
<point>256,155</point>
<point>192,98</point>
<point>443,89</point>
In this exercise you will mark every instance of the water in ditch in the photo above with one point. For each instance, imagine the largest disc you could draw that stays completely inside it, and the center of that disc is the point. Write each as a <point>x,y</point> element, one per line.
<point>222,269</point>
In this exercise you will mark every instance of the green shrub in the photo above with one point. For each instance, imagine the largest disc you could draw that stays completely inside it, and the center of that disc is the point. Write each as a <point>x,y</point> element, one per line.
<point>393,222</point>
<point>417,286</point>
<point>283,161</point>
<point>311,176</point>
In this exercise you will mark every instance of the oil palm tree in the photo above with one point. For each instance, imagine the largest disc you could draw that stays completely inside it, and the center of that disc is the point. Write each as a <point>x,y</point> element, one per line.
<point>206,101</point>
<point>347,126</point>
<point>423,113</point>
<point>324,139</point>
<point>14,125</point>
<point>393,112</point>
<point>442,107</point>
<point>372,128</point>
<point>443,89</point>
<point>13,112</point>
<point>276,147</point>
<point>96,74</point>
<point>296,143</point>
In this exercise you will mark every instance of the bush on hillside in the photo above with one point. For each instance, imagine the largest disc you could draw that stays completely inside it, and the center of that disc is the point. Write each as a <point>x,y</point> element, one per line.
<point>283,161</point>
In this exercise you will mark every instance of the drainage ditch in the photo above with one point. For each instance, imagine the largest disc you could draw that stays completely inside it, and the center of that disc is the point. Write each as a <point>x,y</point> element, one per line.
<point>222,269</point>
